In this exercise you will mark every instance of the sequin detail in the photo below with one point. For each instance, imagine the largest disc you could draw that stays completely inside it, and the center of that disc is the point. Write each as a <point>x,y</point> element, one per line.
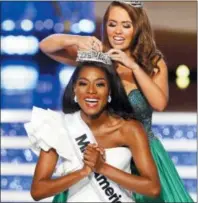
<point>142,111</point>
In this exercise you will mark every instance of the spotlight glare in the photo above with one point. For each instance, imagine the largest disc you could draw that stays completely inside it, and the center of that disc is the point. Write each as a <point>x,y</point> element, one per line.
<point>65,75</point>
<point>182,82</point>
<point>87,26</point>
<point>8,25</point>
<point>48,24</point>
<point>26,25</point>
<point>75,28</point>
<point>39,25</point>
<point>28,45</point>
<point>182,71</point>
<point>33,43</point>
<point>58,27</point>
<point>18,77</point>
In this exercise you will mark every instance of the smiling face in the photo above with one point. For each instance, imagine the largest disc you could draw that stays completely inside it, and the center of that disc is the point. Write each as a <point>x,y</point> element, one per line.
<point>119,28</point>
<point>92,90</point>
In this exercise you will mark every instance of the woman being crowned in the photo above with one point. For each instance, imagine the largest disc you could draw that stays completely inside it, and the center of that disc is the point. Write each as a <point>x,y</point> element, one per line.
<point>94,137</point>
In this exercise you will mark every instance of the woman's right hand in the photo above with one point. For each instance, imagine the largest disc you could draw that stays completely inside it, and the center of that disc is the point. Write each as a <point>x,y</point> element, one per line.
<point>63,47</point>
<point>94,157</point>
<point>86,169</point>
<point>88,43</point>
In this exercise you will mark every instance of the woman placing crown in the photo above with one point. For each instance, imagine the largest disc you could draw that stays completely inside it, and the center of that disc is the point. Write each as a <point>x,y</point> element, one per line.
<point>128,39</point>
<point>97,115</point>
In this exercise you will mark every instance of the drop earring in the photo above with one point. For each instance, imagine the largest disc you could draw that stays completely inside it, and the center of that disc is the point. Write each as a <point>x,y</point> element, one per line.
<point>75,99</point>
<point>109,98</point>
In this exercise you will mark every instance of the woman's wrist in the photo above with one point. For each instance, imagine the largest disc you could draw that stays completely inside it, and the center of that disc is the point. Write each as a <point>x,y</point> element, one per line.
<point>71,40</point>
<point>84,172</point>
<point>103,168</point>
<point>135,67</point>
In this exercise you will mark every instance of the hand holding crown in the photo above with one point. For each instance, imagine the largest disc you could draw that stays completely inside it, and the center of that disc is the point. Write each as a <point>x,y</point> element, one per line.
<point>92,55</point>
<point>123,58</point>
<point>88,43</point>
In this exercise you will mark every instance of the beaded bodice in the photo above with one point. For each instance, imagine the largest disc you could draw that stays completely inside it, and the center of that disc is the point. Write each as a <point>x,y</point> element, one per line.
<point>142,110</point>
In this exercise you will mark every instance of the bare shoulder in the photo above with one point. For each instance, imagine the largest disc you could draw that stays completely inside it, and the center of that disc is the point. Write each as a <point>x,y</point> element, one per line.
<point>132,128</point>
<point>162,67</point>
<point>134,134</point>
<point>132,124</point>
<point>162,64</point>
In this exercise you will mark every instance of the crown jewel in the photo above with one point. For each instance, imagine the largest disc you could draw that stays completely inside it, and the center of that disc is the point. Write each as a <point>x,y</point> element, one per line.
<point>136,4</point>
<point>93,56</point>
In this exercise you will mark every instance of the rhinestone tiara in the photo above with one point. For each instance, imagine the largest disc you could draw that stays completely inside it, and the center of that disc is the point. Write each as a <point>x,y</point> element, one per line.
<point>136,4</point>
<point>93,56</point>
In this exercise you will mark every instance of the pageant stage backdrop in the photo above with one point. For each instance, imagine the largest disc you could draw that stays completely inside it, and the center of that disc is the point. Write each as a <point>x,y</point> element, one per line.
<point>29,78</point>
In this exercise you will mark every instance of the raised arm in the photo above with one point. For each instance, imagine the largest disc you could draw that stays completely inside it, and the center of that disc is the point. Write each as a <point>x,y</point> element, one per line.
<point>63,47</point>
<point>43,185</point>
<point>148,182</point>
<point>155,88</point>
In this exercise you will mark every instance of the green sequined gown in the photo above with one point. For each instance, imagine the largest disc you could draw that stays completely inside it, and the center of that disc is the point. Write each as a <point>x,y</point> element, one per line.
<point>172,188</point>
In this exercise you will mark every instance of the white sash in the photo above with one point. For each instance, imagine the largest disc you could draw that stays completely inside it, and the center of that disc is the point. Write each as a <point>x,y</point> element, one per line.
<point>80,135</point>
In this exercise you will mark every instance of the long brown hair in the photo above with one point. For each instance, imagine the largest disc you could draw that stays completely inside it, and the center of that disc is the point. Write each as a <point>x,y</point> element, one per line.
<point>143,47</point>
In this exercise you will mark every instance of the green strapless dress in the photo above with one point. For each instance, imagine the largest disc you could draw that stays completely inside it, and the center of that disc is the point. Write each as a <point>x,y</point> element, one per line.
<point>172,188</point>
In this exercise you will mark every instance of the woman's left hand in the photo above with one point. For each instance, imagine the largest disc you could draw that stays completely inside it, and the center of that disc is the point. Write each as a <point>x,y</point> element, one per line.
<point>93,158</point>
<point>120,56</point>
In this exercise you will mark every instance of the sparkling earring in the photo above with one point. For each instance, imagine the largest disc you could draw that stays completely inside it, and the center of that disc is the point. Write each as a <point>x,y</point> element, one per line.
<point>109,98</point>
<point>75,99</point>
